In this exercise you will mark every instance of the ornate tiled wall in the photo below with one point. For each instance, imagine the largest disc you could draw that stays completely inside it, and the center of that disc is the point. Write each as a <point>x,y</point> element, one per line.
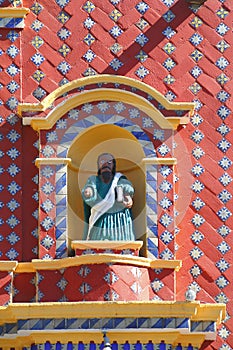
<point>185,53</point>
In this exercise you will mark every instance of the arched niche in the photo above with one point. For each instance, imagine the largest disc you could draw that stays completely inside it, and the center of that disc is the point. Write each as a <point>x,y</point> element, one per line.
<point>64,150</point>
<point>84,152</point>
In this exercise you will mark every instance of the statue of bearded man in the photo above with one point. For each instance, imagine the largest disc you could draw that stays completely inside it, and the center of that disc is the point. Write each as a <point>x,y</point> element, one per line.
<point>108,199</point>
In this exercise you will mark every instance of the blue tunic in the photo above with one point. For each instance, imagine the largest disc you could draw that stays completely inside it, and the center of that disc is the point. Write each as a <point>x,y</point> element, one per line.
<point>114,225</point>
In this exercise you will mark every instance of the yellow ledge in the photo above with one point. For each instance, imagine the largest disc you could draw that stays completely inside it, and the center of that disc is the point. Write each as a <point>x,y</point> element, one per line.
<point>118,245</point>
<point>132,336</point>
<point>105,259</point>
<point>57,264</point>
<point>167,161</point>
<point>15,12</point>
<point>105,78</point>
<point>52,161</point>
<point>8,265</point>
<point>127,309</point>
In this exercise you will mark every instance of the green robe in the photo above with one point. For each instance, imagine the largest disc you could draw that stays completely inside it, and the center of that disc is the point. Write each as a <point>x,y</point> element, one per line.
<point>117,223</point>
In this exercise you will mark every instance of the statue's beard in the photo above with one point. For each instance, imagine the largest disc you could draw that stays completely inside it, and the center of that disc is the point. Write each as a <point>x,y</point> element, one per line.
<point>107,175</point>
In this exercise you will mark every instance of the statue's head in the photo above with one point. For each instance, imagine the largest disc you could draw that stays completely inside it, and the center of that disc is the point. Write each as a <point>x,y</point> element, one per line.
<point>106,164</point>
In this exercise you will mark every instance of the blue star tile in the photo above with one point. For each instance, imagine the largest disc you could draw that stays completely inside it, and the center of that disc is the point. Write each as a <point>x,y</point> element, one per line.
<point>224,214</point>
<point>225,163</point>
<point>116,64</point>
<point>223,112</point>
<point>141,39</point>
<point>196,39</point>
<point>223,129</point>
<point>223,96</point>
<point>222,63</point>
<point>142,7</point>
<point>222,265</point>
<point>142,72</point>
<point>223,145</point>
<point>197,237</point>
<point>169,16</point>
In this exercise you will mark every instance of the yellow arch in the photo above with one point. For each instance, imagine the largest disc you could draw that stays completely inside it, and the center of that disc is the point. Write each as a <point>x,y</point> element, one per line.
<point>104,78</point>
<point>99,95</point>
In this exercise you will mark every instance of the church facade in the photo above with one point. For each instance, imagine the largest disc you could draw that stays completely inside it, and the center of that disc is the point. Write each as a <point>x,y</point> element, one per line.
<point>149,82</point>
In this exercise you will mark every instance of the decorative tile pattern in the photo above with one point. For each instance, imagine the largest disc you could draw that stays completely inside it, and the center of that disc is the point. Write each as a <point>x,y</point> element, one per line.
<point>208,134</point>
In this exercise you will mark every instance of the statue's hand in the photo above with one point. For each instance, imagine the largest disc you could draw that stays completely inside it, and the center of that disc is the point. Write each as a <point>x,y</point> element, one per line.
<point>88,192</point>
<point>128,202</point>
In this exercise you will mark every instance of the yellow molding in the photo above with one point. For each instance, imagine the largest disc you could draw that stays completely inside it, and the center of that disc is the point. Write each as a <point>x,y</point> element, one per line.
<point>25,267</point>
<point>15,12</point>
<point>105,78</point>
<point>52,161</point>
<point>168,161</point>
<point>104,259</point>
<point>95,259</point>
<point>172,337</point>
<point>8,265</point>
<point>176,121</point>
<point>135,245</point>
<point>205,313</point>
<point>98,95</point>
<point>150,309</point>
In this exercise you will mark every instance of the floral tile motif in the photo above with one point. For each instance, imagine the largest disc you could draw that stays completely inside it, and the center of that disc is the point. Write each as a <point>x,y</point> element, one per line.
<point>63,33</point>
<point>222,63</point>
<point>196,39</point>
<point>63,67</point>
<point>116,64</point>
<point>47,223</point>
<point>64,50</point>
<point>37,25</point>
<point>63,17</point>
<point>169,16</point>
<point>222,46</point>
<point>142,72</point>
<point>196,253</point>
<point>196,72</point>
<point>197,237</point>
<point>88,23</point>
<point>115,15</point>
<point>222,265</point>
<point>169,64</point>
<point>197,220</point>
<point>225,163</point>
<point>12,51</point>
<point>141,39</point>
<point>169,32</point>
<point>36,8</point>
<point>224,145</point>
<point>89,56</point>
<point>115,48</point>
<point>222,29</point>
<point>142,24</point>
<point>195,271</point>
<point>115,31</point>
<point>223,247</point>
<point>196,22</point>
<point>224,214</point>
<point>89,7</point>
<point>169,48</point>
<point>142,7</point>
<point>37,59</point>
<point>222,79</point>
<point>47,242</point>
<point>168,3</point>
<point>225,179</point>
<point>224,196</point>
<point>196,55</point>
